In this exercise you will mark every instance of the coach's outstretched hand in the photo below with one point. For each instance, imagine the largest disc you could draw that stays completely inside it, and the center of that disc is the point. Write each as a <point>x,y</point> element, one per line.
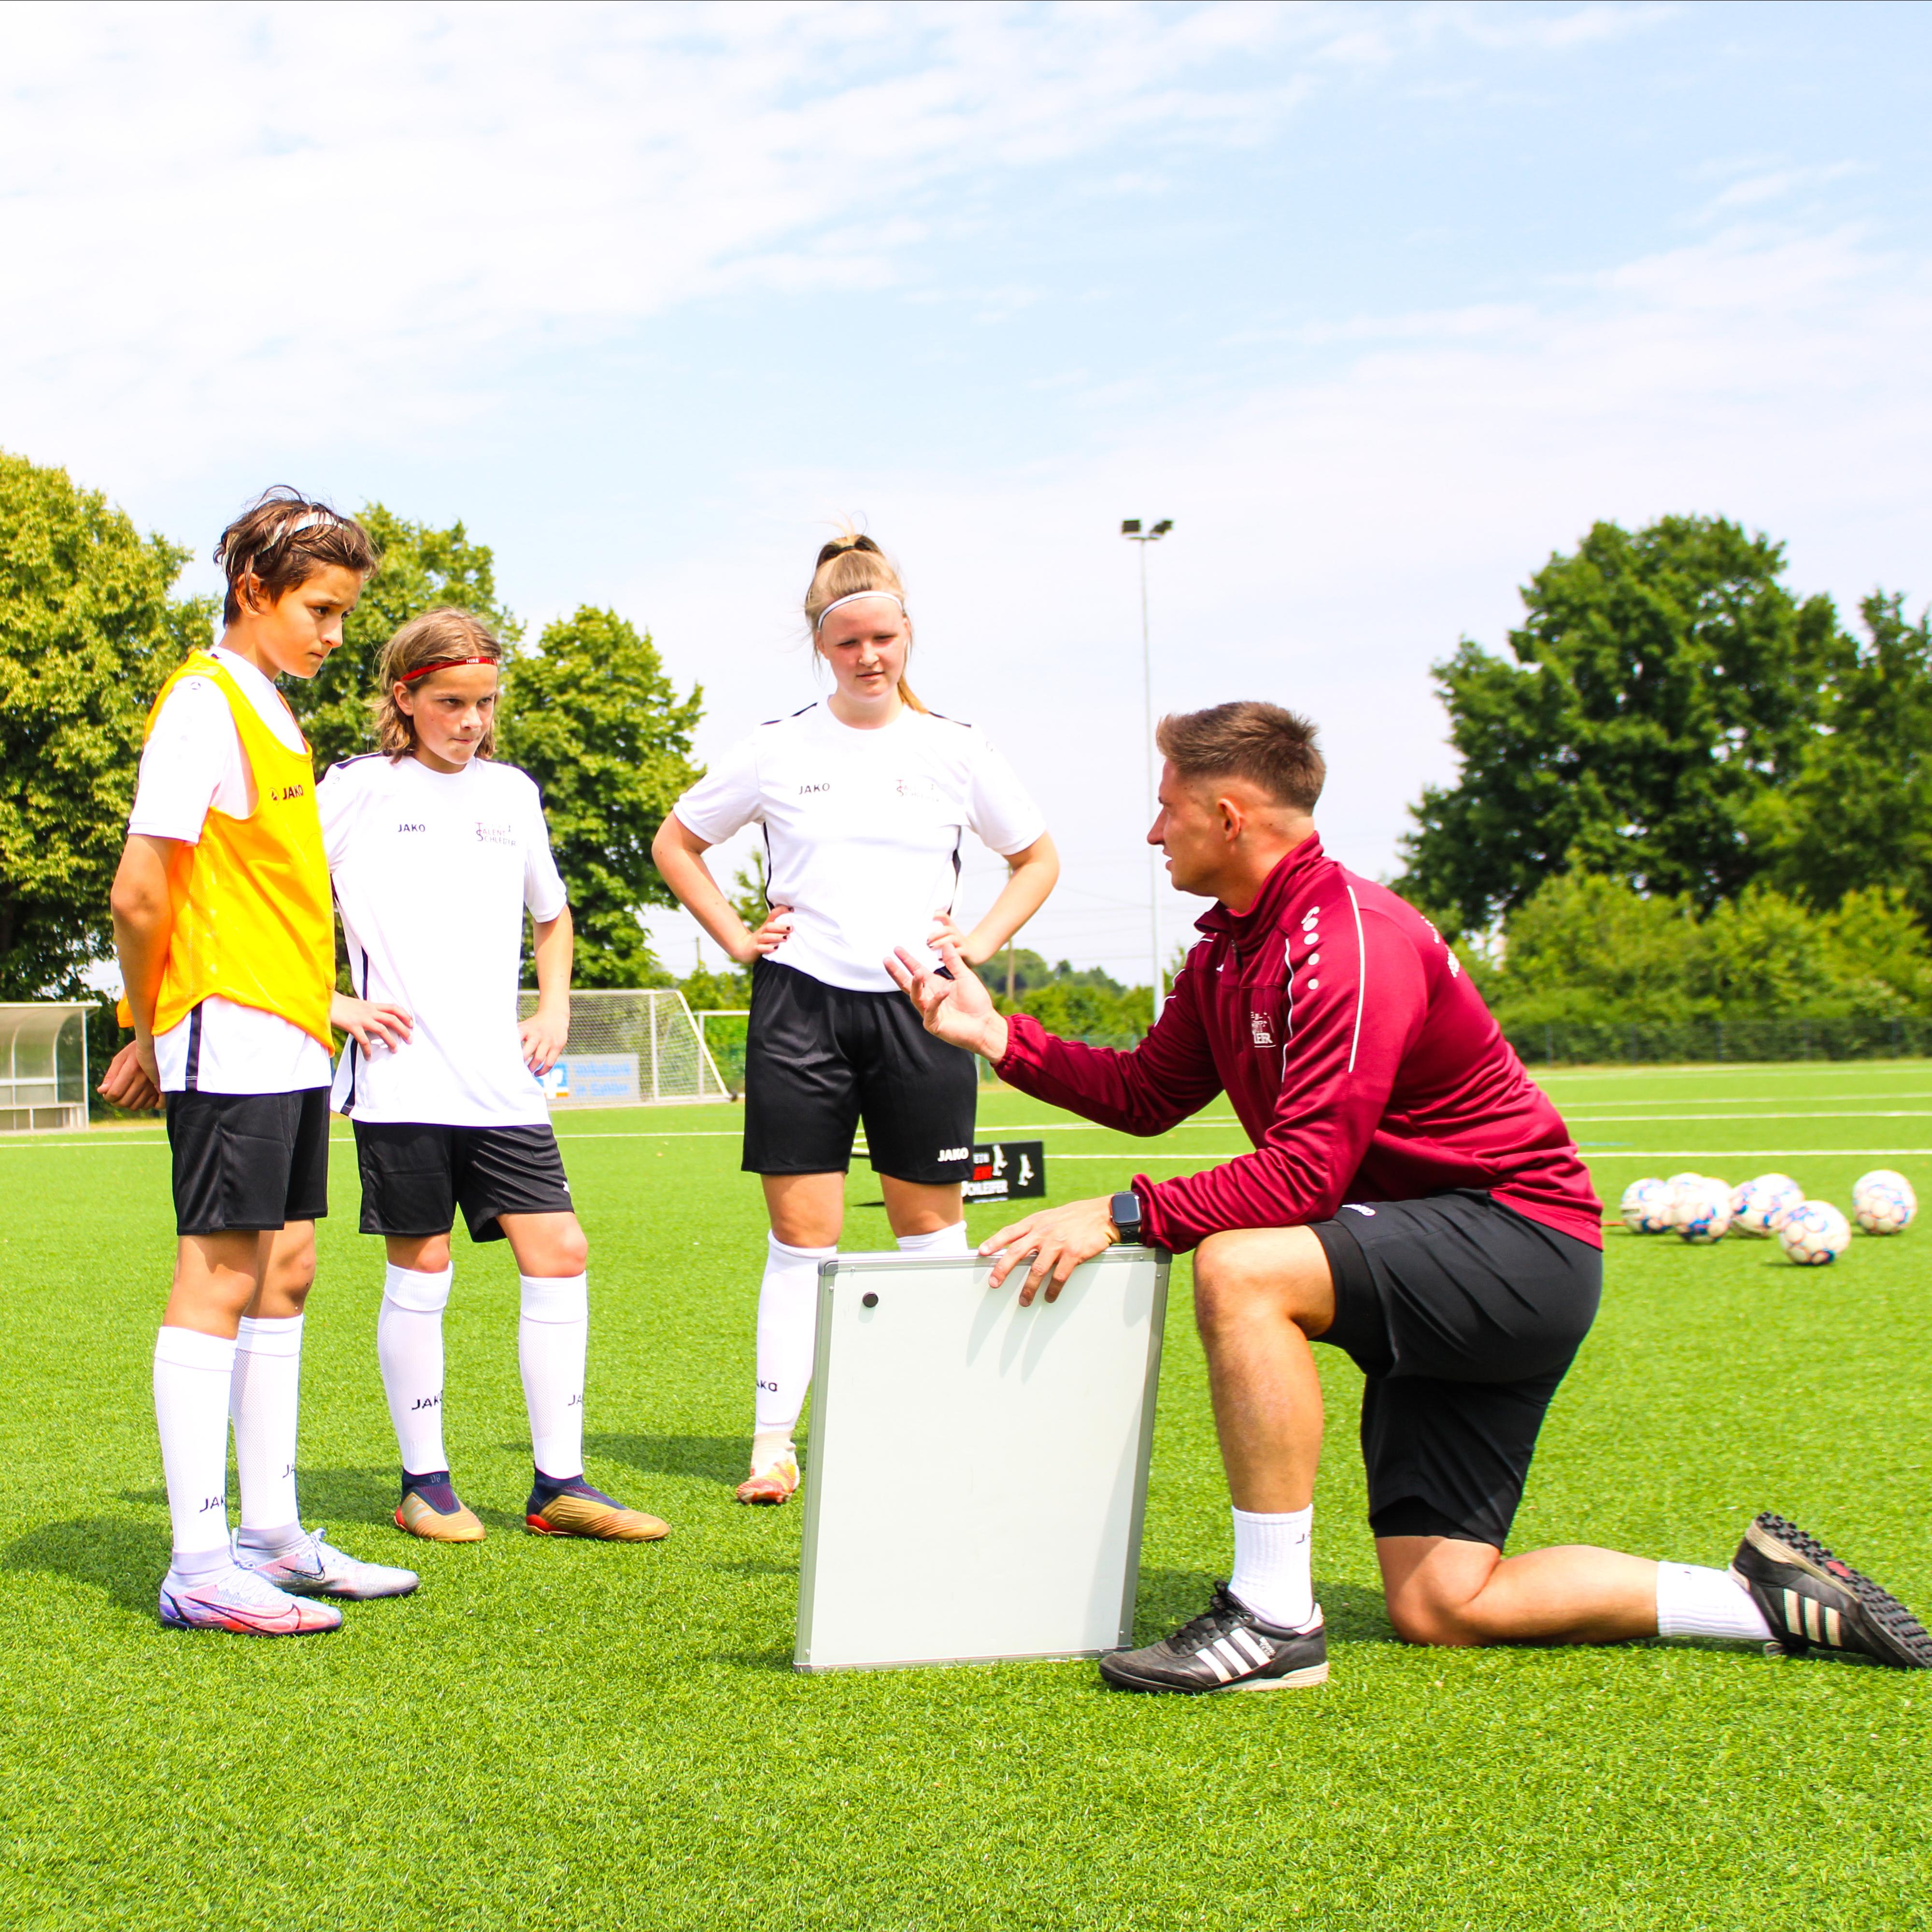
<point>958,1010</point>
<point>1059,1239</point>
<point>132,1079</point>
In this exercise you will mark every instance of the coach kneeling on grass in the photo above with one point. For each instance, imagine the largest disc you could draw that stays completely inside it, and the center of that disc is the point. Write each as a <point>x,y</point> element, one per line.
<point>1413,1198</point>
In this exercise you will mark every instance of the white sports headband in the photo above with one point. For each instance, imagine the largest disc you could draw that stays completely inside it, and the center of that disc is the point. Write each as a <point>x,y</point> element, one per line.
<point>852,597</point>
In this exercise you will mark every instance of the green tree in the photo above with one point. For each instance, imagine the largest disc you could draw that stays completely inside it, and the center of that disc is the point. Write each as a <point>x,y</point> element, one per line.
<point>1584,947</point>
<point>421,568</point>
<point>1859,811</point>
<point>1665,684</point>
<point>593,718</point>
<point>88,635</point>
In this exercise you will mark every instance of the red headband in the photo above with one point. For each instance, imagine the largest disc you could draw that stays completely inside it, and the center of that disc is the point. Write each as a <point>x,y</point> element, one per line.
<point>444,664</point>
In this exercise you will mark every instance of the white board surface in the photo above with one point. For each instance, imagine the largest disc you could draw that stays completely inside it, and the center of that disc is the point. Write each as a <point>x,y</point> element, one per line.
<point>977,1471</point>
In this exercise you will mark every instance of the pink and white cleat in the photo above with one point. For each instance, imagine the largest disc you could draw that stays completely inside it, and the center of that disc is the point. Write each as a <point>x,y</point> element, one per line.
<point>239,1600</point>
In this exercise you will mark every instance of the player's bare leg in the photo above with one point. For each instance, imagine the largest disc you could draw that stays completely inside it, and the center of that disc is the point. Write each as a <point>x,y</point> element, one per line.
<point>1441,1590</point>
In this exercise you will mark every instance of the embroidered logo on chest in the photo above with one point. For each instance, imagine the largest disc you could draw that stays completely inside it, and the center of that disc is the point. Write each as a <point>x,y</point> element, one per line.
<point>496,835</point>
<point>1261,1026</point>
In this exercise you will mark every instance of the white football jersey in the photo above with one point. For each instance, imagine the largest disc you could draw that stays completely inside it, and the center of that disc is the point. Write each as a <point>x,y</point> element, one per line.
<point>433,873</point>
<point>862,829</point>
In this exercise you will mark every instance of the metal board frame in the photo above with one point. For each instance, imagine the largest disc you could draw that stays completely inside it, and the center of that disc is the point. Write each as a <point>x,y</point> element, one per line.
<point>845,1438</point>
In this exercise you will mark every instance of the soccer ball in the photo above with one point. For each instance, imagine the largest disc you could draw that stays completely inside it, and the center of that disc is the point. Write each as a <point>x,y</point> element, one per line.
<point>1646,1207</point>
<point>1813,1233</point>
<point>1701,1210</point>
<point>1760,1205</point>
<point>1883,1202</point>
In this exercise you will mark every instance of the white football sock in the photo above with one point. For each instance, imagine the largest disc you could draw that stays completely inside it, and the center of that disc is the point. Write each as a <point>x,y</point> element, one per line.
<point>192,1372</point>
<point>408,1344</point>
<point>1271,1572</point>
<point>1695,1602</point>
<point>552,1337</point>
<point>942,1241</point>
<point>265,1397</point>
<point>787,1331</point>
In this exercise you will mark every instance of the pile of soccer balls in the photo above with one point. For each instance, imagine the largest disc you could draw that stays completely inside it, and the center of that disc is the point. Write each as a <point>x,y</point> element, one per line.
<point>1699,1209</point>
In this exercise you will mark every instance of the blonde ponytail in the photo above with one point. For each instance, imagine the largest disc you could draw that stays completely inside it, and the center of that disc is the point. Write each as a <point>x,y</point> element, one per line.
<point>847,565</point>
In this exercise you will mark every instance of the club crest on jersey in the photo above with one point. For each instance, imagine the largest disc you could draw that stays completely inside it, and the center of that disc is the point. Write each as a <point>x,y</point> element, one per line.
<point>496,835</point>
<point>1262,1028</point>
<point>924,789</point>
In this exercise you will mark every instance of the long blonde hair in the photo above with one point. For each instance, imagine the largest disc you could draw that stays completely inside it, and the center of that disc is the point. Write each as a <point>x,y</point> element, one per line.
<point>847,565</point>
<point>437,641</point>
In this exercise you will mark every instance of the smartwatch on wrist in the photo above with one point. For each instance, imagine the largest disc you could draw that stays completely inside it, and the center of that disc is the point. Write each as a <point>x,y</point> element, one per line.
<point>1124,1211</point>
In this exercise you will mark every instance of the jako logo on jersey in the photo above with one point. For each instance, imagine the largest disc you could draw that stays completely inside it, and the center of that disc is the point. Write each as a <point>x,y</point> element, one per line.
<point>283,793</point>
<point>413,828</point>
<point>956,1153</point>
<point>805,790</point>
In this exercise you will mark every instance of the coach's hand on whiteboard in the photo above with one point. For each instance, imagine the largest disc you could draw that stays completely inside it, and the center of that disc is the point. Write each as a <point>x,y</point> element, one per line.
<point>132,1079</point>
<point>370,1023</point>
<point>958,1010</point>
<point>1059,1240</point>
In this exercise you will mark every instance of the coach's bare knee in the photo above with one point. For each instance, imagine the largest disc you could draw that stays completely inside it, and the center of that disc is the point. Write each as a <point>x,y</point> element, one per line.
<point>1421,1620</point>
<point>1249,1274</point>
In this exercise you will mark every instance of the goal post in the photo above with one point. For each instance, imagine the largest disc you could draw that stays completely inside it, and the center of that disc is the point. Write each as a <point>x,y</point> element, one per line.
<point>630,1047</point>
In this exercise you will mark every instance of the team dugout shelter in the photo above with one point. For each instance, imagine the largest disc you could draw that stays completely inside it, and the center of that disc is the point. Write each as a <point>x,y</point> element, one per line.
<point>43,1066</point>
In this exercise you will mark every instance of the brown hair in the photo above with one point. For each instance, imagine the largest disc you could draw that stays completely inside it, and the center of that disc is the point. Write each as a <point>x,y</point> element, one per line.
<point>1268,746</point>
<point>282,539</point>
<point>847,564</point>
<point>437,641</point>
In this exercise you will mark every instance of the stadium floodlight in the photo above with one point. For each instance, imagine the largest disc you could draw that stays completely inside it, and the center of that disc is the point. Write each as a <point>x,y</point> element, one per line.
<point>1130,528</point>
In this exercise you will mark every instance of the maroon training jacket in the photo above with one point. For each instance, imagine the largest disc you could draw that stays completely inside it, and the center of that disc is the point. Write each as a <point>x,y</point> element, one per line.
<point>1362,1063</point>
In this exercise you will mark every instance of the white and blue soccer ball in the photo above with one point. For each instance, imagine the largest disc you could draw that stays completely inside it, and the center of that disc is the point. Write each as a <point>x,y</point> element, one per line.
<point>1814,1233</point>
<point>1701,1210</point>
<point>1646,1207</point>
<point>1759,1206</point>
<point>1882,1202</point>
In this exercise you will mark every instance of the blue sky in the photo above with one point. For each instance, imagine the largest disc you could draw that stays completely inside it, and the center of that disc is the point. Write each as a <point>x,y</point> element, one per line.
<point>1380,304</point>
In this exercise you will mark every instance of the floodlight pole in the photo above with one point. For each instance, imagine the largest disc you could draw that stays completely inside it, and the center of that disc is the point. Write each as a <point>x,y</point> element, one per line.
<point>1130,528</point>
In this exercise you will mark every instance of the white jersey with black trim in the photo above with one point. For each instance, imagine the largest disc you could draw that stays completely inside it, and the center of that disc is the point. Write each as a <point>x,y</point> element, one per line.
<point>862,829</point>
<point>433,873</point>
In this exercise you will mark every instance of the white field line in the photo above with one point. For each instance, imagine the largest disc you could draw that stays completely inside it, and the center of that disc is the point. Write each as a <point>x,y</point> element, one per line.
<point>1769,1099</point>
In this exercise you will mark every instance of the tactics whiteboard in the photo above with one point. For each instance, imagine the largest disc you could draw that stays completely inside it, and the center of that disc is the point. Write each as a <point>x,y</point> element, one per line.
<point>977,1471</point>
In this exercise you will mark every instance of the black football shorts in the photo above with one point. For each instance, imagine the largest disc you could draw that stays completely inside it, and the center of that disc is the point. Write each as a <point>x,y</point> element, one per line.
<point>248,1162</point>
<point>1464,1314</point>
<point>415,1176</point>
<point>819,1059</point>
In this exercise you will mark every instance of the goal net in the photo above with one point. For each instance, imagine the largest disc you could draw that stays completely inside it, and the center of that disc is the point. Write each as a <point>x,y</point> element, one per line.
<point>628,1048</point>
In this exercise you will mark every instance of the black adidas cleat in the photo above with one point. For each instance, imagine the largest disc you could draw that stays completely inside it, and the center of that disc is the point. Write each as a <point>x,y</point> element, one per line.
<point>1812,1601</point>
<point>1226,1648</point>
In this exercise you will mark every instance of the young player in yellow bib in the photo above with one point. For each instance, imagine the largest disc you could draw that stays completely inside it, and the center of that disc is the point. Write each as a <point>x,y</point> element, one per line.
<point>227,950</point>
<point>437,850</point>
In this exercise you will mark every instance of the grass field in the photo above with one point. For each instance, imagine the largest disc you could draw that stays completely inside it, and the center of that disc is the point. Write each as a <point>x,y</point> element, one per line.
<point>552,1734</point>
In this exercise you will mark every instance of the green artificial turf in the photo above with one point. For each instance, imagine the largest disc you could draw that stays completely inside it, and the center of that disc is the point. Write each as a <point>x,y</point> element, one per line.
<point>559,1735</point>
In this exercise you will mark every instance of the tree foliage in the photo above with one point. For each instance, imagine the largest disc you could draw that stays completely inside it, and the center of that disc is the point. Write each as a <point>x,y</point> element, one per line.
<point>1665,685</point>
<point>1859,813</point>
<point>88,633</point>
<point>421,568</point>
<point>1588,948</point>
<point>593,718</point>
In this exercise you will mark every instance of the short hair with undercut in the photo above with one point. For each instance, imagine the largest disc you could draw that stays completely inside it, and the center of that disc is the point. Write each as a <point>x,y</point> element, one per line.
<point>1266,744</point>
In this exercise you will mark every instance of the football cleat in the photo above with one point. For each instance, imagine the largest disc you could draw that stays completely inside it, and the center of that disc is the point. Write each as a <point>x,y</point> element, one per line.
<point>241,1600</point>
<point>776,1482</point>
<point>1812,1601</point>
<point>316,1568</point>
<point>581,1511</point>
<point>419,1514</point>
<point>1226,1648</point>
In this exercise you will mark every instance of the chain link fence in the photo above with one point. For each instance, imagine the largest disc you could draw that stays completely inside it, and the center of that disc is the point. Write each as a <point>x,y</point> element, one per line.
<point>631,1047</point>
<point>1596,1042</point>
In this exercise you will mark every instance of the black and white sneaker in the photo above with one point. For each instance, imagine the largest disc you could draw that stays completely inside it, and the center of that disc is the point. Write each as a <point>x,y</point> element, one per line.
<point>1226,1648</point>
<point>1812,1601</point>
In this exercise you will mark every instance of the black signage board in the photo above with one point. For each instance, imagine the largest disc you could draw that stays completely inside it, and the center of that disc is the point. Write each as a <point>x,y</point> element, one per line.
<point>1008,1171</point>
